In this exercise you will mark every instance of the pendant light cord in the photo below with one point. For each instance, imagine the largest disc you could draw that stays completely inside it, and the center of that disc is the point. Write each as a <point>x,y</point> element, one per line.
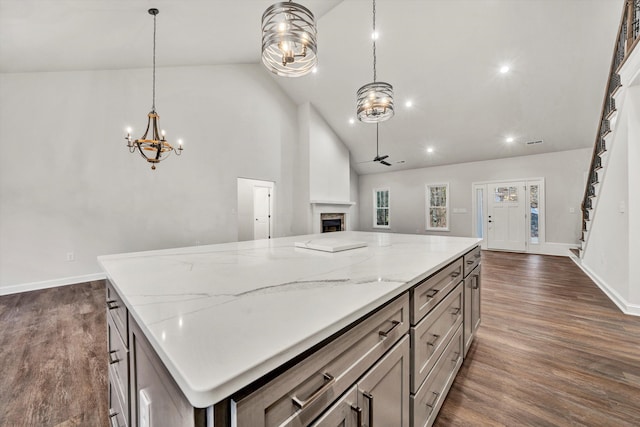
<point>374,35</point>
<point>153,106</point>
<point>377,148</point>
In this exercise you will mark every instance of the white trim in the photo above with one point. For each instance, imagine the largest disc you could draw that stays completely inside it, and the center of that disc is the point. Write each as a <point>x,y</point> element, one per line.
<point>547,248</point>
<point>630,70</point>
<point>623,305</point>
<point>427,206</point>
<point>375,207</point>
<point>328,202</point>
<point>34,286</point>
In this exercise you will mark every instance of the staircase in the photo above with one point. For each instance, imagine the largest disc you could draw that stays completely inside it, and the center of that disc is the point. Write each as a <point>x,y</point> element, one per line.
<point>628,37</point>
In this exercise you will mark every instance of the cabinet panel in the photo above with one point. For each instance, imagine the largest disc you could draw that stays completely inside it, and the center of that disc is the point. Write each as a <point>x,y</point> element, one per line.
<point>300,394</point>
<point>427,401</point>
<point>118,416</point>
<point>344,413</point>
<point>471,260</point>
<point>168,406</point>
<point>118,357</point>
<point>118,311</point>
<point>384,390</point>
<point>471,307</point>
<point>431,336</point>
<point>429,293</point>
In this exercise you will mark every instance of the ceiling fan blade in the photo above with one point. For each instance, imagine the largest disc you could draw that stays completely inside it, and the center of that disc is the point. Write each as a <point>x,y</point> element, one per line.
<point>383,157</point>
<point>385,163</point>
<point>366,161</point>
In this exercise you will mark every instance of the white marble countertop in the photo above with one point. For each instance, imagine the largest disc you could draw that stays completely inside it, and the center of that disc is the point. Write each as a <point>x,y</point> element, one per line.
<point>222,316</point>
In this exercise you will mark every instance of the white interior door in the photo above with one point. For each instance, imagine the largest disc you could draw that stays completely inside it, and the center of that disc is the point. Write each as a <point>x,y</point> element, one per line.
<point>262,212</point>
<point>506,217</point>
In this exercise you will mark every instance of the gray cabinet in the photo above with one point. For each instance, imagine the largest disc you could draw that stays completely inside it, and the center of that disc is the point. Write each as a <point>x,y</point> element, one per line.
<point>384,390</point>
<point>344,413</point>
<point>299,395</point>
<point>118,357</point>
<point>472,285</point>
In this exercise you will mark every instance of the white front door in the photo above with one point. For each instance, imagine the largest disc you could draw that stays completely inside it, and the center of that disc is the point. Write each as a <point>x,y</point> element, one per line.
<point>506,218</point>
<point>261,212</point>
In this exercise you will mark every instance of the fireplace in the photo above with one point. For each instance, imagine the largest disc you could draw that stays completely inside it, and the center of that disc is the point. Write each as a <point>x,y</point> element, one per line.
<point>332,222</point>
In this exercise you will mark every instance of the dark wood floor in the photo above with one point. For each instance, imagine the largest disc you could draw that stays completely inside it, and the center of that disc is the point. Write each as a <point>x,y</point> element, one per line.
<point>552,350</point>
<point>53,362</point>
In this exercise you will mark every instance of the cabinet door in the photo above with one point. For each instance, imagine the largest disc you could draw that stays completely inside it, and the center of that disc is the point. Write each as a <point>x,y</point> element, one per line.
<point>344,413</point>
<point>475,307</point>
<point>384,390</point>
<point>471,307</point>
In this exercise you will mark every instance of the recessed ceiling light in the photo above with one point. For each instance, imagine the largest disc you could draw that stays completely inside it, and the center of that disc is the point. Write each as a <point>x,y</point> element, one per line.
<point>430,150</point>
<point>509,139</point>
<point>504,69</point>
<point>409,103</point>
<point>375,35</point>
<point>352,121</point>
<point>315,70</point>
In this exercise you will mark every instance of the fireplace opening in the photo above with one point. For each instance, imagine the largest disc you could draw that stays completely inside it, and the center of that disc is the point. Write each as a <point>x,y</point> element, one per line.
<point>332,222</point>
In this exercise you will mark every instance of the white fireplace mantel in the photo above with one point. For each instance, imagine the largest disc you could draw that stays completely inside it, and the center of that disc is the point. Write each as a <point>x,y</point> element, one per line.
<point>319,207</point>
<point>329,202</point>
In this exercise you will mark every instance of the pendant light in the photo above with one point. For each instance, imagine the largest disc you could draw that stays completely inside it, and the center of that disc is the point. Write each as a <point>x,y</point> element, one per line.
<point>374,100</point>
<point>289,34</point>
<point>154,148</point>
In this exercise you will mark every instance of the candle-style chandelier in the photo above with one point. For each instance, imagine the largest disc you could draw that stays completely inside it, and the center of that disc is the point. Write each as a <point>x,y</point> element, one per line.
<point>289,47</point>
<point>374,100</point>
<point>154,148</point>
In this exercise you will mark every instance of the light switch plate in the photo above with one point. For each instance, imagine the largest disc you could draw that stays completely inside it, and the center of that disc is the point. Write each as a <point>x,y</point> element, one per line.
<point>145,410</point>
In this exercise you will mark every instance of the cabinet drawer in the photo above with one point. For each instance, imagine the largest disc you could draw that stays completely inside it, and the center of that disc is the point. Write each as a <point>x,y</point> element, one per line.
<point>429,293</point>
<point>118,362</point>
<point>118,311</point>
<point>301,393</point>
<point>427,401</point>
<point>118,415</point>
<point>430,337</point>
<point>471,260</point>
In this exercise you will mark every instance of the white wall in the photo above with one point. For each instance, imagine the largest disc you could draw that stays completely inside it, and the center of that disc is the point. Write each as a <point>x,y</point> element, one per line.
<point>563,172</point>
<point>633,163</point>
<point>329,169</point>
<point>68,183</point>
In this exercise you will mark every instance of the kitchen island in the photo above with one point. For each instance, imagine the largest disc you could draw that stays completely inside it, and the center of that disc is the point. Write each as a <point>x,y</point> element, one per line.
<point>226,327</point>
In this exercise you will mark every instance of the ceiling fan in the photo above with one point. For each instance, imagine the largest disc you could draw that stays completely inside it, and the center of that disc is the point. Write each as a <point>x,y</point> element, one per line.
<point>378,158</point>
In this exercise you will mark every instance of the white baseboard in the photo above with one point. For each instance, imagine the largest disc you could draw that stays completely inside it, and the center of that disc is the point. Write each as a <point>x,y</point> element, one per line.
<point>550,248</point>
<point>34,286</point>
<point>623,305</point>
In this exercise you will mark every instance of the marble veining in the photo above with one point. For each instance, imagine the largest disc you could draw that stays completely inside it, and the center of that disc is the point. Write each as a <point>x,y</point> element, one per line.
<point>221,316</point>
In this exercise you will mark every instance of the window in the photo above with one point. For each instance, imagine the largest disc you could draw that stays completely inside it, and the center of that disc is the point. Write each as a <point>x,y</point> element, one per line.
<point>381,208</point>
<point>437,209</point>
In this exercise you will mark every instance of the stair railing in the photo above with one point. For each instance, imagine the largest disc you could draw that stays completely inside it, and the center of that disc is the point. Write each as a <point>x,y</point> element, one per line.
<point>628,38</point>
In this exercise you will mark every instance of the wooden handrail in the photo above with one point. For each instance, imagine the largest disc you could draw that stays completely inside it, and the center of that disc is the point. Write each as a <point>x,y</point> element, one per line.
<point>626,40</point>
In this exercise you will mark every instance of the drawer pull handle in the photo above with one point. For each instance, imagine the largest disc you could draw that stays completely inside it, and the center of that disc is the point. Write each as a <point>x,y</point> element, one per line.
<point>386,333</point>
<point>456,311</point>
<point>112,304</point>
<point>456,355</point>
<point>358,411</point>
<point>435,339</point>
<point>432,293</point>
<point>470,262</point>
<point>477,255</point>
<point>113,360</point>
<point>455,274</point>
<point>475,284</point>
<point>329,380</point>
<point>369,397</point>
<point>433,401</point>
<point>113,421</point>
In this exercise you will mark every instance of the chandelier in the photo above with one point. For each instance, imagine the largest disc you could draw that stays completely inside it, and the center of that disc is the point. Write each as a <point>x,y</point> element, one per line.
<point>374,100</point>
<point>154,147</point>
<point>289,34</point>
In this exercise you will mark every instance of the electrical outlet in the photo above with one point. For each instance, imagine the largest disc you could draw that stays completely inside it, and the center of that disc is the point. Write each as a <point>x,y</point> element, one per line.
<point>145,410</point>
<point>71,256</point>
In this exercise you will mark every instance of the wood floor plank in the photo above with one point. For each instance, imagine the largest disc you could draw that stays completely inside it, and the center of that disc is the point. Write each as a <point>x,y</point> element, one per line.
<point>552,350</point>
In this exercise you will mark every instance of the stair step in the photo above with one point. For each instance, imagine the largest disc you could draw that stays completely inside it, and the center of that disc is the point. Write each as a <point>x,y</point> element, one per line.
<point>575,251</point>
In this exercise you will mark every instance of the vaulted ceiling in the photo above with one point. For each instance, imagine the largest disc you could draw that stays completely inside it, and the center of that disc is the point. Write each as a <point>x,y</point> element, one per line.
<point>444,56</point>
